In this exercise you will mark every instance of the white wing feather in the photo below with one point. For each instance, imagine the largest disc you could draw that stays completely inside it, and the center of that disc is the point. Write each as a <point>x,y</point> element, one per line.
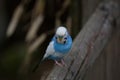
<point>50,50</point>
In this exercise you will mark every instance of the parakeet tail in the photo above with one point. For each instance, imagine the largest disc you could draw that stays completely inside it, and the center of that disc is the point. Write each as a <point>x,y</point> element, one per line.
<point>37,65</point>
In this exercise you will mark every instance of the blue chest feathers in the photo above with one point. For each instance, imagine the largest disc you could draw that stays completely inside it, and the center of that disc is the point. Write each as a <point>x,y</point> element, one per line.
<point>63,48</point>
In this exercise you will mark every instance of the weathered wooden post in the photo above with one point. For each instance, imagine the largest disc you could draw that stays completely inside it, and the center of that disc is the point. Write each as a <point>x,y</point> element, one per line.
<point>88,44</point>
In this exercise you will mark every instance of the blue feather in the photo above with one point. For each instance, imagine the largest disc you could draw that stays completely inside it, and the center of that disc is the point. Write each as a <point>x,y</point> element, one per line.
<point>63,48</point>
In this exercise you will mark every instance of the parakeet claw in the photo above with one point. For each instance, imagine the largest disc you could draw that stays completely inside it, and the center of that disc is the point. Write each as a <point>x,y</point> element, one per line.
<point>62,61</point>
<point>61,64</point>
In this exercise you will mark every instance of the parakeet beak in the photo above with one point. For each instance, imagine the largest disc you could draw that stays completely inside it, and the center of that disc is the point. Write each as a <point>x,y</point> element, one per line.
<point>60,38</point>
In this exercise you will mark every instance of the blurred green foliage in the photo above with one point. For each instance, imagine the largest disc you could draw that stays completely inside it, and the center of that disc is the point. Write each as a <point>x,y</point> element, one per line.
<point>12,58</point>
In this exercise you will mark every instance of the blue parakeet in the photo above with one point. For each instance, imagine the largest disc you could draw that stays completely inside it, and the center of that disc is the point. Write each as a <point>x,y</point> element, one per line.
<point>59,46</point>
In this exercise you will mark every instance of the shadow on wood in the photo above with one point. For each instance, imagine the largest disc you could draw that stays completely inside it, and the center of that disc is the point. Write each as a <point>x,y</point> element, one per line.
<point>42,71</point>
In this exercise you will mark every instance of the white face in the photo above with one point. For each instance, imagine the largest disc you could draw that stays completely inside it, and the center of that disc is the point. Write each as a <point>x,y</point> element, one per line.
<point>61,35</point>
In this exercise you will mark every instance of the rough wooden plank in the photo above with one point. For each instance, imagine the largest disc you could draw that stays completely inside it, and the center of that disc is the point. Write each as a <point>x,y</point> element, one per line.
<point>86,47</point>
<point>102,40</point>
<point>95,50</point>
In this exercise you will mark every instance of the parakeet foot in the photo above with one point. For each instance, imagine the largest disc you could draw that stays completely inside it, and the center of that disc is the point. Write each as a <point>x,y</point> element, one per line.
<point>63,63</point>
<point>58,63</point>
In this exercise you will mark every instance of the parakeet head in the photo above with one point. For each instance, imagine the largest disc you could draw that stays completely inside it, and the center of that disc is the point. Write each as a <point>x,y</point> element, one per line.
<point>61,35</point>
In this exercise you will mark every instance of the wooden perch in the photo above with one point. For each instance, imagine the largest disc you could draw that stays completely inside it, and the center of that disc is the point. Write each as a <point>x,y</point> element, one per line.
<point>87,46</point>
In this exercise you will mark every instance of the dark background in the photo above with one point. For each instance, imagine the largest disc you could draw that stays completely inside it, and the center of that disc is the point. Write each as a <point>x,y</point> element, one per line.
<point>16,58</point>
